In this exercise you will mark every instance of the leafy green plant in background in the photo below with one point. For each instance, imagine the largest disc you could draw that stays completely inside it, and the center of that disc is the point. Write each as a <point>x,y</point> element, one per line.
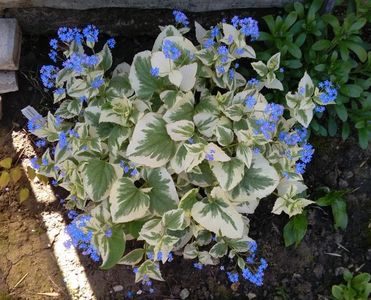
<point>356,288</point>
<point>296,228</point>
<point>328,48</point>
<point>336,200</point>
<point>174,150</point>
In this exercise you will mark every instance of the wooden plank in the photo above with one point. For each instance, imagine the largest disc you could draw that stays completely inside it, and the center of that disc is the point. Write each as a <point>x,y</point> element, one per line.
<point>187,5</point>
<point>8,82</point>
<point>10,44</point>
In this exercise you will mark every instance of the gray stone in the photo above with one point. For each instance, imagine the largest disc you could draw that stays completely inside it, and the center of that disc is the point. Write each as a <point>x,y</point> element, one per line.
<point>10,44</point>
<point>118,288</point>
<point>184,294</point>
<point>187,5</point>
<point>8,82</point>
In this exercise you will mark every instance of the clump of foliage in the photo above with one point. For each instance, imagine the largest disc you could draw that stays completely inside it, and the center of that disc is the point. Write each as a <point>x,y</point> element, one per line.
<point>11,174</point>
<point>356,288</point>
<point>328,48</point>
<point>176,149</point>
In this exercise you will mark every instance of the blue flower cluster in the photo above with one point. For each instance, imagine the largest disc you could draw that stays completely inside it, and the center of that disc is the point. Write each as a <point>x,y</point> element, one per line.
<point>78,61</point>
<point>34,163</point>
<point>198,266</point>
<point>97,82</point>
<point>62,140</point>
<point>210,156</point>
<point>329,92</point>
<point>267,126</point>
<point>81,237</point>
<point>67,35</point>
<point>91,33</point>
<point>319,109</point>
<point>253,82</point>
<point>35,123</point>
<point>129,169</point>
<point>232,277</point>
<point>48,74</point>
<point>40,143</point>
<point>159,257</point>
<point>111,43</point>
<point>170,50</point>
<point>256,278</point>
<point>306,155</point>
<point>155,71</point>
<point>249,26</point>
<point>250,102</point>
<point>295,137</point>
<point>220,69</point>
<point>180,18</point>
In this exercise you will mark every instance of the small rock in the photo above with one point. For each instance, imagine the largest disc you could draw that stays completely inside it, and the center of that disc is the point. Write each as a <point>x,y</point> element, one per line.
<point>318,271</point>
<point>184,294</point>
<point>118,288</point>
<point>339,271</point>
<point>251,296</point>
<point>347,174</point>
<point>343,184</point>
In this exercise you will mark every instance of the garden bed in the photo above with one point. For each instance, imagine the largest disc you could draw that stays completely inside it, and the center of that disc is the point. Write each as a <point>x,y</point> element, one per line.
<point>305,272</point>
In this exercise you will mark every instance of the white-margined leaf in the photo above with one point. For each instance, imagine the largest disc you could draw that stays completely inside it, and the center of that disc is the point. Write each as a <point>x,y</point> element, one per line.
<point>229,173</point>
<point>163,195</point>
<point>180,130</point>
<point>150,144</point>
<point>259,181</point>
<point>128,202</point>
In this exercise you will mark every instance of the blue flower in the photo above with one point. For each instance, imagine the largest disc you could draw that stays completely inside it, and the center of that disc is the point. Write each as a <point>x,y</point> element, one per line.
<point>62,140</point>
<point>59,91</point>
<point>282,70</point>
<point>274,110</point>
<point>83,99</point>
<point>35,123</point>
<point>210,156</point>
<point>235,21</point>
<point>66,34</point>
<point>306,153</point>
<point>191,141</point>
<point>97,82</point>
<point>155,71</point>
<point>44,161</point>
<point>48,74</point>
<point>40,143</point>
<point>91,33</point>
<point>209,43</point>
<point>232,277</point>
<point>231,74</point>
<point>214,32</point>
<point>72,214</point>
<point>111,43</point>
<point>250,102</point>
<point>91,60</point>
<point>170,50</point>
<point>170,257</point>
<point>54,182</point>
<point>220,69</point>
<point>239,51</point>
<point>134,172</point>
<point>198,266</point>
<point>180,18</point>
<point>319,109</point>
<point>329,92</point>
<point>80,237</point>
<point>249,27</point>
<point>159,255</point>
<point>58,120</point>
<point>108,233</point>
<point>75,62</point>
<point>34,163</point>
<point>300,168</point>
<point>253,82</point>
<point>53,55</point>
<point>53,43</point>
<point>222,50</point>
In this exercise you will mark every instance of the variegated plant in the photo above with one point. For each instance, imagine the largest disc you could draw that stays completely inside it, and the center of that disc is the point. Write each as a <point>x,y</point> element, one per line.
<point>176,149</point>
